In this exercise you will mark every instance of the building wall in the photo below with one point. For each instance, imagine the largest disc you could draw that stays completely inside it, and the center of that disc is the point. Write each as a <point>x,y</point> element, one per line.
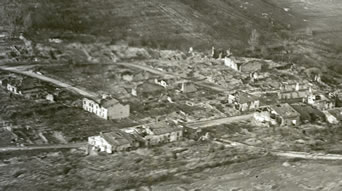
<point>251,67</point>
<point>119,111</point>
<point>13,89</point>
<point>99,143</point>
<point>125,147</point>
<point>293,95</point>
<point>323,105</point>
<point>231,64</point>
<point>50,97</point>
<point>330,118</point>
<point>164,138</point>
<point>175,136</point>
<point>291,121</point>
<point>249,106</point>
<point>93,107</point>
<point>254,105</point>
<point>244,107</point>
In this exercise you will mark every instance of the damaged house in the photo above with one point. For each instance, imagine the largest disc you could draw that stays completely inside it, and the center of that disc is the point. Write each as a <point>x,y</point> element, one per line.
<point>294,91</point>
<point>308,113</point>
<point>115,141</point>
<point>285,115</point>
<point>13,86</point>
<point>243,101</point>
<point>219,53</point>
<point>30,88</point>
<point>157,133</point>
<point>242,66</point>
<point>131,76</point>
<point>147,89</point>
<point>4,82</point>
<point>186,86</point>
<point>334,116</point>
<point>108,108</point>
<point>162,132</point>
<point>321,102</point>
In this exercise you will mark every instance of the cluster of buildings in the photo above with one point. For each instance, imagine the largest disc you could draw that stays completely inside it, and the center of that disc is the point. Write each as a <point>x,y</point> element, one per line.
<point>294,103</point>
<point>27,87</point>
<point>295,114</point>
<point>110,108</point>
<point>106,108</point>
<point>138,136</point>
<point>37,90</point>
<point>242,65</point>
<point>297,103</point>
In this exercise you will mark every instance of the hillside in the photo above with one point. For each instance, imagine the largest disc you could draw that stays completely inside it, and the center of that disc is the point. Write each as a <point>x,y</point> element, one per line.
<point>304,32</point>
<point>156,23</point>
<point>322,18</point>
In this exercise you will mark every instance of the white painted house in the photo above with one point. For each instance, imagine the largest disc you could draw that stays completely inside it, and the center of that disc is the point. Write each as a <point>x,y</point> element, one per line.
<point>113,142</point>
<point>13,89</point>
<point>107,108</point>
<point>93,107</point>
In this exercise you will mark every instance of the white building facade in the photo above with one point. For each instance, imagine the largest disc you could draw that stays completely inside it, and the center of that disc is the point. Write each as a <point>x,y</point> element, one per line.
<point>100,143</point>
<point>93,107</point>
<point>13,89</point>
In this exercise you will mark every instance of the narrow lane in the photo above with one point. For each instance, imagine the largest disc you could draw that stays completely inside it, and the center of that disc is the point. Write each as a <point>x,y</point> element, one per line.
<point>221,121</point>
<point>169,75</point>
<point>43,147</point>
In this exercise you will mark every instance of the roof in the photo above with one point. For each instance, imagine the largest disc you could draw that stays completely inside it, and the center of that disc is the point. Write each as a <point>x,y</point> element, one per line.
<point>117,138</point>
<point>336,113</point>
<point>299,92</point>
<point>307,112</point>
<point>321,97</point>
<point>250,62</point>
<point>14,82</point>
<point>109,102</point>
<point>285,110</point>
<point>291,85</point>
<point>161,128</point>
<point>29,83</point>
<point>148,87</point>
<point>23,83</point>
<point>269,98</point>
<point>243,97</point>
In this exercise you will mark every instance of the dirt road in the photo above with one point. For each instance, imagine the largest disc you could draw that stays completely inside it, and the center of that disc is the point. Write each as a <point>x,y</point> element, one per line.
<point>309,156</point>
<point>168,75</point>
<point>215,122</point>
<point>148,69</point>
<point>42,147</point>
<point>24,71</point>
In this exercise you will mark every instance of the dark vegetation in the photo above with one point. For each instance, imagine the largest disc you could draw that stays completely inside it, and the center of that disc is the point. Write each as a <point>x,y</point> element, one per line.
<point>258,28</point>
<point>154,23</point>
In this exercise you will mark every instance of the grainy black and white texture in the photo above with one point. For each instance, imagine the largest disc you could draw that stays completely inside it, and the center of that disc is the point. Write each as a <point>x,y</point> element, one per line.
<point>170,95</point>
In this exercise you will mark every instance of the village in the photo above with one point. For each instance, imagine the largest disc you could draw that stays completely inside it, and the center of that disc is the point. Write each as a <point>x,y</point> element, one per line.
<point>182,95</point>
